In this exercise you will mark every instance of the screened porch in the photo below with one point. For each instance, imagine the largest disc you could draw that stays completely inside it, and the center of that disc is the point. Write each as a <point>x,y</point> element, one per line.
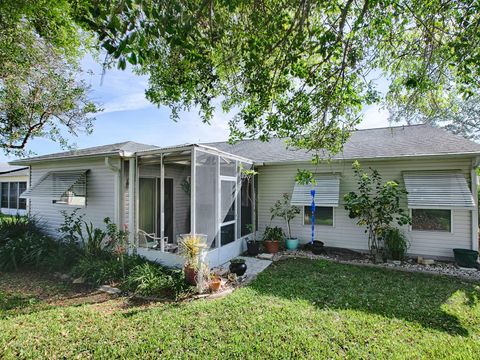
<point>193,189</point>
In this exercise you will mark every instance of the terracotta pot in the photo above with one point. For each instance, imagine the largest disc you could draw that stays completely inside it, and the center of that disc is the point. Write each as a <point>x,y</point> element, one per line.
<point>215,285</point>
<point>190,275</point>
<point>271,246</point>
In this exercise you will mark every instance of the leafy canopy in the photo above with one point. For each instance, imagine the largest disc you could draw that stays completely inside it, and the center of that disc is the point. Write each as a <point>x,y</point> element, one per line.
<point>40,94</point>
<point>301,69</point>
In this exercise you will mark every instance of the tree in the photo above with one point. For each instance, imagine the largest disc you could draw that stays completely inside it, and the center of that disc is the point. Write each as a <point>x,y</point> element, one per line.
<point>301,69</point>
<point>376,205</point>
<point>40,94</point>
<point>461,117</point>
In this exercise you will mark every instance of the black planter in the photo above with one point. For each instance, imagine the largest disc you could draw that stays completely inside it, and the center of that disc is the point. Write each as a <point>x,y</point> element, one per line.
<point>253,248</point>
<point>317,247</point>
<point>238,268</point>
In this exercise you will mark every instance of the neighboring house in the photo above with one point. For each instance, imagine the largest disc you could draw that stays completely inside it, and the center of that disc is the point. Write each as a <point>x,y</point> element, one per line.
<point>203,191</point>
<point>13,181</point>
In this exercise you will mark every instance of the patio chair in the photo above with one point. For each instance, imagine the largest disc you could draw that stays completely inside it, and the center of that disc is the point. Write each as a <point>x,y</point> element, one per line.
<point>151,241</point>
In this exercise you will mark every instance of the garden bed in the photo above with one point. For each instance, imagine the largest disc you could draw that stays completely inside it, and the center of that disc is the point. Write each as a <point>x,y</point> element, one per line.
<point>346,256</point>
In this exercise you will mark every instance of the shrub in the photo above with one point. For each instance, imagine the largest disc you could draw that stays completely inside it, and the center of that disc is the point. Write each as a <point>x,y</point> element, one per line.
<point>396,244</point>
<point>273,233</point>
<point>151,279</point>
<point>23,242</point>
<point>105,268</point>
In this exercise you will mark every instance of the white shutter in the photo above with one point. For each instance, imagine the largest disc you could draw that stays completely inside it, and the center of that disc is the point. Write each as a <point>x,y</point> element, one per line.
<point>438,190</point>
<point>327,192</point>
<point>54,185</point>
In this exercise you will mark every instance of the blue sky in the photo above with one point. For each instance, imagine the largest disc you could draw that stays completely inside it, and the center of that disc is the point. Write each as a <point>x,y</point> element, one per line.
<point>128,115</point>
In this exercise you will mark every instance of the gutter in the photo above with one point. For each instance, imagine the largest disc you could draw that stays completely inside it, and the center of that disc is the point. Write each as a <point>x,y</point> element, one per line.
<point>376,158</point>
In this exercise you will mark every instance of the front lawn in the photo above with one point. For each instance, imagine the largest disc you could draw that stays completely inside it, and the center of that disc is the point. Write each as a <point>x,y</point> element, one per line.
<point>297,308</point>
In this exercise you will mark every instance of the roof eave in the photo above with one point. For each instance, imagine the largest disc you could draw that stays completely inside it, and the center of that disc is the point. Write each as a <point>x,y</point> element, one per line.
<point>76,157</point>
<point>374,158</point>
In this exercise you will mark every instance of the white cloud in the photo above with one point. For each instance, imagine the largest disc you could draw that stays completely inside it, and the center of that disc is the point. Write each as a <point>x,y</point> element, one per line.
<point>132,101</point>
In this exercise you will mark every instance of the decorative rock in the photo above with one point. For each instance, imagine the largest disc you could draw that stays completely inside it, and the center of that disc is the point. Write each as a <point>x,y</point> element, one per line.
<point>265,256</point>
<point>428,261</point>
<point>79,280</point>
<point>65,277</point>
<point>109,289</point>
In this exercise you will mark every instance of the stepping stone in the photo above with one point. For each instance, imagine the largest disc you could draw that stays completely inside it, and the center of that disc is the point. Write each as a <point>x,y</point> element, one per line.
<point>265,256</point>
<point>109,289</point>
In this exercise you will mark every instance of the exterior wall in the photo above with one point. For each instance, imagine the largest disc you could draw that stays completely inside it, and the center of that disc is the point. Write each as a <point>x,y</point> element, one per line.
<point>273,180</point>
<point>14,178</point>
<point>100,193</point>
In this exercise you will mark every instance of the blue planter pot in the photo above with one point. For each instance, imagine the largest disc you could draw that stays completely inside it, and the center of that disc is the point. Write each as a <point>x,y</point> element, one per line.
<point>291,244</point>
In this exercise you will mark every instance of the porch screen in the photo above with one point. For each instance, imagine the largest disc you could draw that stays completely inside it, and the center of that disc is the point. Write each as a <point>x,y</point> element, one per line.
<point>438,190</point>
<point>327,192</point>
<point>206,190</point>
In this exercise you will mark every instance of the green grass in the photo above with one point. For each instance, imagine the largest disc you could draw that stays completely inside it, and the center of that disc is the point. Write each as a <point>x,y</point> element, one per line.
<point>297,308</point>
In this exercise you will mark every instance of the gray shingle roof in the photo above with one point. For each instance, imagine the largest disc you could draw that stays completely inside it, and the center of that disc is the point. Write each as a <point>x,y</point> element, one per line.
<point>389,142</point>
<point>6,168</point>
<point>415,140</point>
<point>127,146</point>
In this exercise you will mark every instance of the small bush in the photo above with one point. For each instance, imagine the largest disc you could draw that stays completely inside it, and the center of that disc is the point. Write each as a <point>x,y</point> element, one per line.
<point>151,279</point>
<point>23,242</point>
<point>396,244</point>
<point>105,268</point>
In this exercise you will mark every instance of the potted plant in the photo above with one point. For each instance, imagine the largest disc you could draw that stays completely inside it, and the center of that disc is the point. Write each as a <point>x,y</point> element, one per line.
<point>238,267</point>
<point>215,282</point>
<point>189,247</point>
<point>283,209</point>
<point>253,247</point>
<point>271,238</point>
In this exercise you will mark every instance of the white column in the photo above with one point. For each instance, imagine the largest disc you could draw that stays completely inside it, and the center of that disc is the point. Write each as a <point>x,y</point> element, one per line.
<point>193,180</point>
<point>132,226</point>
<point>162,204</point>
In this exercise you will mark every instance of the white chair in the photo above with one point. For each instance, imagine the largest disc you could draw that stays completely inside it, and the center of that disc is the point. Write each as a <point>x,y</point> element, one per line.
<point>151,241</point>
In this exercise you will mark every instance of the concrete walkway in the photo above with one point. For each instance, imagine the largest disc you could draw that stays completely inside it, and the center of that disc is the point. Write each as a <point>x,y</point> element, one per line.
<point>254,267</point>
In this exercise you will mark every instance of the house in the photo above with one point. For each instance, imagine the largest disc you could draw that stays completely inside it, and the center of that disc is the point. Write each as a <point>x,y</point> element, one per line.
<point>198,188</point>
<point>14,181</point>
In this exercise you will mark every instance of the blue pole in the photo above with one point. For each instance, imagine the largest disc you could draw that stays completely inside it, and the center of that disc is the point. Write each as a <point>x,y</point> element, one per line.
<point>312,192</point>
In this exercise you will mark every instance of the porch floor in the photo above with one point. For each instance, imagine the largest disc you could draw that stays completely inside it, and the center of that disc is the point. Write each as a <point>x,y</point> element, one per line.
<point>254,266</point>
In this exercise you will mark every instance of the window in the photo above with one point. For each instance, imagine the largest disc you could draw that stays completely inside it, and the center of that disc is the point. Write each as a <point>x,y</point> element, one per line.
<point>4,190</point>
<point>432,220</point>
<point>323,215</point>
<point>10,195</point>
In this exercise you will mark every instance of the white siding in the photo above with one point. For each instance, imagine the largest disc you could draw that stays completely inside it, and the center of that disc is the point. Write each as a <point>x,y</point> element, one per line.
<point>274,180</point>
<point>100,193</point>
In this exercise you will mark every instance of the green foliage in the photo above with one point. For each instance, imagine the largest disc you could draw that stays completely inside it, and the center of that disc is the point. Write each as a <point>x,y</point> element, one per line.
<point>105,269</point>
<point>23,242</point>
<point>376,205</point>
<point>249,175</point>
<point>294,69</point>
<point>150,279</point>
<point>273,233</point>
<point>93,242</point>
<point>284,210</point>
<point>396,244</point>
<point>40,91</point>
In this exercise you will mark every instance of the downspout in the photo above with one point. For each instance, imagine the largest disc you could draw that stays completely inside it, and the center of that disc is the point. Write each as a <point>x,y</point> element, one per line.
<point>474,179</point>
<point>117,189</point>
